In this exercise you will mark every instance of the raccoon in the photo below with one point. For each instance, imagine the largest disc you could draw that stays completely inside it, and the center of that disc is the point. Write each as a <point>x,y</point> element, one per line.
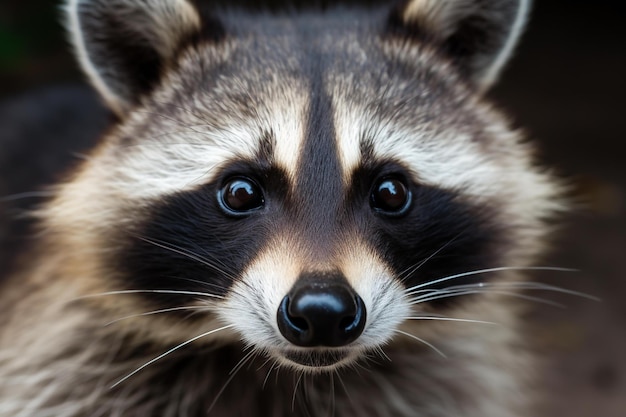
<point>297,214</point>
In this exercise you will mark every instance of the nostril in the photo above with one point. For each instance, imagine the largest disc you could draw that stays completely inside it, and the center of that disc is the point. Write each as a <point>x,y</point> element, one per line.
<point>346,322</point>
<point>298,322</point>
<point>293,328</point>
<point>354,323</point>
<point>321,315</point>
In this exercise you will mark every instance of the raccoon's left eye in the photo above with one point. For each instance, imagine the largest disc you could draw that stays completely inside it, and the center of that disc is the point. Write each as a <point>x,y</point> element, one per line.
<point>391,196</point>
<point>240,195</point>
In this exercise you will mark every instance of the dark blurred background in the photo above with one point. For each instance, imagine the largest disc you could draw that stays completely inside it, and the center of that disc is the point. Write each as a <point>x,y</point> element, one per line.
<point>566,86</point>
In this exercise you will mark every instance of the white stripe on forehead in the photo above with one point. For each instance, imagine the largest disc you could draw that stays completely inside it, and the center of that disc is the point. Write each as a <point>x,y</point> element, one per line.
<point>182,157</point>
<point>288,122</point>
<point>436,156</point>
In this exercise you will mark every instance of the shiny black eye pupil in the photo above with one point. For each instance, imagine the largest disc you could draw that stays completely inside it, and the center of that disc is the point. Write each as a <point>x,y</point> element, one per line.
<point>391,196</point>
<point>241,195</point>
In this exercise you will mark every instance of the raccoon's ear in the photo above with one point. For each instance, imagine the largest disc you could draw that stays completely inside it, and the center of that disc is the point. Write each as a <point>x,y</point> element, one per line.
<point>479,35</point>
<point>124,46</point>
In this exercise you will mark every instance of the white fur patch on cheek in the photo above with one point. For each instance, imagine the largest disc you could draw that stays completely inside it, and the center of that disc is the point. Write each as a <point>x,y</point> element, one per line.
<point>252,303</point>
<point>385,302</point>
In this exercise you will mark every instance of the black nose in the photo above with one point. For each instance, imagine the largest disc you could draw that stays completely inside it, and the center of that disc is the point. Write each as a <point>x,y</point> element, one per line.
<point>321,311</point>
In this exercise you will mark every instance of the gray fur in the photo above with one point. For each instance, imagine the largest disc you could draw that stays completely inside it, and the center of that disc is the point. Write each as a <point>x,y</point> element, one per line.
<point>252,96</point>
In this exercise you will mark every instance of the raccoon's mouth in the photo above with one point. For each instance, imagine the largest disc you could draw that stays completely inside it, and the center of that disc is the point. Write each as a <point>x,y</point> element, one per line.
<point>317,359</point>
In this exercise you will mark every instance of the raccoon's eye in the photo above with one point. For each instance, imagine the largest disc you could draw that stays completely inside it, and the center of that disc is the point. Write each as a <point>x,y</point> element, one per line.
<point>391,196</point>
<point>240,195</point>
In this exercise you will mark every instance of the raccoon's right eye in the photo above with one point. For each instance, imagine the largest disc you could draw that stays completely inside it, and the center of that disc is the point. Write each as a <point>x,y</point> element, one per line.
<point>240,195</point>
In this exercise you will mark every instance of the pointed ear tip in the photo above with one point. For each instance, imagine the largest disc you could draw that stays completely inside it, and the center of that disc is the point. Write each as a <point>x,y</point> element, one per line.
<point>459,24</point>
<point>123,68</point>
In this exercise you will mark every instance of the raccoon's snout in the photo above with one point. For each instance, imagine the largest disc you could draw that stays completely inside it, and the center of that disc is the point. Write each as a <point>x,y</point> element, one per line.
<point>321,310</point>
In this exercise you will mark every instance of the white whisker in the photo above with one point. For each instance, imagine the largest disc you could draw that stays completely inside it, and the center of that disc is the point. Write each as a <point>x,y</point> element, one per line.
<point>379,350</point>
<point>197,281</point>
<point>102,294</point>
<point>521,285</point>
<point>421,341</point>
<point>231,374</point>
<point>267,376</point>
<point>451,319</point>
<point>150,362</point>
<point>241,361</point>
<point>488,270</point>
<point>149,313</point>
<point>457,293</point>
<point>295,391</point>
<point>28,194</point>
<point>404,274</point>
<point>497,287</point>
<point>176,249</point>
<point>345,389</point>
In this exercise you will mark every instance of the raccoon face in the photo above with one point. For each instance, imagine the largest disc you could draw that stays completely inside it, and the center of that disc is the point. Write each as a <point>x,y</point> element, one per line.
<point>309,182</point>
